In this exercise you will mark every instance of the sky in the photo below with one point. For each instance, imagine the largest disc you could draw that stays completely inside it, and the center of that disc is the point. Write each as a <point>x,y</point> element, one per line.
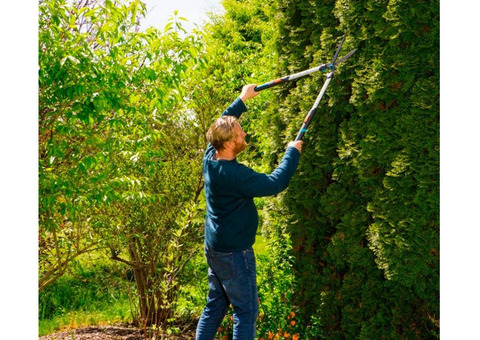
<point>195,11</point>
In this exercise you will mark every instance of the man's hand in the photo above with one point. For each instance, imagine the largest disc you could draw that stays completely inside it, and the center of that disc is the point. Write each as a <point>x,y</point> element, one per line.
<point>248,92</point>
<point>296,144</point>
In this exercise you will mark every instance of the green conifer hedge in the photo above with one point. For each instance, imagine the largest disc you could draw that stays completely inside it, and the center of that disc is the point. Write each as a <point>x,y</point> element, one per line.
<point>363,208</point>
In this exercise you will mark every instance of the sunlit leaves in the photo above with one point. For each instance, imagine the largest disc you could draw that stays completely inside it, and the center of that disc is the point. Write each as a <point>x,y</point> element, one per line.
<point>109,94</point>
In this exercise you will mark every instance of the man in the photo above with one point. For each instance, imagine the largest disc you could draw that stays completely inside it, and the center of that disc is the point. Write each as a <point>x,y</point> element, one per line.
<point>232,221</point>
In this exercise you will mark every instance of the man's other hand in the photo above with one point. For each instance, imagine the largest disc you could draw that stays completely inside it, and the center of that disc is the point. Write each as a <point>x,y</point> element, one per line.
<point>296,144</point>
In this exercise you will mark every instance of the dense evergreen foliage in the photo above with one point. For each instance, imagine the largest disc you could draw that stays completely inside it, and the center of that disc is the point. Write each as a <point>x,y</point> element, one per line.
<point>363,210</point>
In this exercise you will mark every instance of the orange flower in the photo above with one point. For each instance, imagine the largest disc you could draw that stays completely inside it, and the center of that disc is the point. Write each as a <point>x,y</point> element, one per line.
<point>286,335</point>
<point>270,335</point>
<point>292,315</point>
<point>295,337</point>
<point>292,323</point>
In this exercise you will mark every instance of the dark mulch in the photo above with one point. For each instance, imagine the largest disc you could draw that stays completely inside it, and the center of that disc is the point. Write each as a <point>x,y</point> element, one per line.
<point>119,332</point>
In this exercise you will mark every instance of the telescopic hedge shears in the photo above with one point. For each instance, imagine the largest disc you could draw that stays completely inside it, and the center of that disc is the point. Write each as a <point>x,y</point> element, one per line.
<point>323,68</point>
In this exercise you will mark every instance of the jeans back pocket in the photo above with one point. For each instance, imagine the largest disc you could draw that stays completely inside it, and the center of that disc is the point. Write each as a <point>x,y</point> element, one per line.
<point>222,264</point>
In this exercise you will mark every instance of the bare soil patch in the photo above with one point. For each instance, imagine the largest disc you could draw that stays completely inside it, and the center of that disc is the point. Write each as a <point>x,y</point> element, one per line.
<point>115,333</point>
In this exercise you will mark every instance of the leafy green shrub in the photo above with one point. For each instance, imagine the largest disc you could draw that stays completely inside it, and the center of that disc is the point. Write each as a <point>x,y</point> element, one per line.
<point>119,163</point>
<point>193,288</point>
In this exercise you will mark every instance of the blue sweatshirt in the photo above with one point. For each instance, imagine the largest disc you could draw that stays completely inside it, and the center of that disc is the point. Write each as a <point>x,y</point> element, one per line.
<point>232,219</point>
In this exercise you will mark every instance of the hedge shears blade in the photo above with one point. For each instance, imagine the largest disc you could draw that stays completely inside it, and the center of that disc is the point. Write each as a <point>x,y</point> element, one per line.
<point>331,66</point>
<point>345,57</point>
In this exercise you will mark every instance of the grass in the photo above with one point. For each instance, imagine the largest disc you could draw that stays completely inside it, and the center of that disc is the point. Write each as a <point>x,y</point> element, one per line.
<point>119,312</point>
<point>94,292</point>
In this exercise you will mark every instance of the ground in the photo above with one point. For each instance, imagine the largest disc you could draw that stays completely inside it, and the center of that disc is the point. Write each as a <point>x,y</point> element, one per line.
<point>113,333</point>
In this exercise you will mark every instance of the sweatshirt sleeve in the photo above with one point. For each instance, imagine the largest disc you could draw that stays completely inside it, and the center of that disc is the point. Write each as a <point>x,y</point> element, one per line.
<point>254,184</point>
<point>235,109</point>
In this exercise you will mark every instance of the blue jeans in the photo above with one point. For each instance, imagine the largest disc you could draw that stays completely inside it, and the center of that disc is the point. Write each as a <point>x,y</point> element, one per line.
<point>231,280</point>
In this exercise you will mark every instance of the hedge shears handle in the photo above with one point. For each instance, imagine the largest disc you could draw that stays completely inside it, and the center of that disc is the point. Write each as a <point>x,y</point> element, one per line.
<point>310,114</point>
<point>322,68</point>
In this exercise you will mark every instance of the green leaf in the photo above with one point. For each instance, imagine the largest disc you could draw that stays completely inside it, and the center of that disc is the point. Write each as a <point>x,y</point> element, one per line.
<point>71,58</point>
